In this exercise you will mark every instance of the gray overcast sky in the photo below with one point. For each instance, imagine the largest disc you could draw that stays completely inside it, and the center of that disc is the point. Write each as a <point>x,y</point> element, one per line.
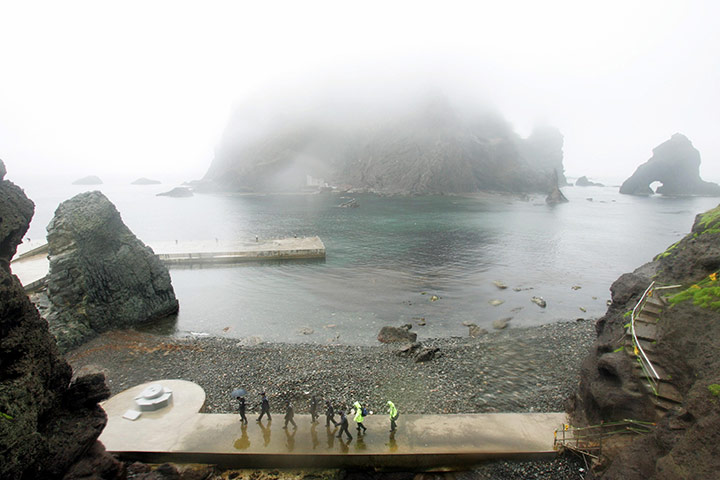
<point>142,87</point>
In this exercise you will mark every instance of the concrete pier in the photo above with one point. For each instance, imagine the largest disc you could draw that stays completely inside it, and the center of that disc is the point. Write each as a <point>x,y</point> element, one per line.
<point>32,266</point>
<point>179,433</point>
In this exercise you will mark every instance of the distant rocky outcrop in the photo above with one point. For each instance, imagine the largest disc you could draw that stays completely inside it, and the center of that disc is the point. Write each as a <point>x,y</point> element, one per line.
<point>89,180</point>
<point>584,182</point>
<point>676,164</point>
<point>101,276</point>
<point>555,196</point>
<point>146,181</point>
<point>686,441</point>
<point>177,192</point>
<point>429,148</point>
<point>49,422</point>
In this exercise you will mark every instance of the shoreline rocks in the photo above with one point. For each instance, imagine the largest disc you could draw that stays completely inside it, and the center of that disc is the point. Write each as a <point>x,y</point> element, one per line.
<point>397,334</point>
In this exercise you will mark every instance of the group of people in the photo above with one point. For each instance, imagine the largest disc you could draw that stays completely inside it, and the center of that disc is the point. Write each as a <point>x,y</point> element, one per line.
<point>343,423</point>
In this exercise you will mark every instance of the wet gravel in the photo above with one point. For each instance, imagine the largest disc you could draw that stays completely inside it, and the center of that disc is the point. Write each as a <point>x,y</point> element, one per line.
<point>513,370</point>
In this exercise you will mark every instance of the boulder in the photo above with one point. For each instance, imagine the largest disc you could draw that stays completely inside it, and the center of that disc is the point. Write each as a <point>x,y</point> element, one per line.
<point>101,276</point>
<point>89,180</point>
<point>555,196</point>
<point>676,164</point>
<point>425,354</point>
<point>408,349</point>
<point>475,331</point>
<point>177,192</point>
<point>397,334</point>
<point>501,323</point>
<point>584,182</point>
<point>44,428</point>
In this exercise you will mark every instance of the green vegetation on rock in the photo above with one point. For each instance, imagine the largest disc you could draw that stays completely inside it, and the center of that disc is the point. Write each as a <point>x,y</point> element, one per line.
<point>705,294</point>
<point>714,389</point>
<point>710,221</point>
<point>669,251</point>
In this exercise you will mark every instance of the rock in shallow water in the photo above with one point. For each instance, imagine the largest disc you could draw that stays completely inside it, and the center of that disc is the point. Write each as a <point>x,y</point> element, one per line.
<point>396,334</point>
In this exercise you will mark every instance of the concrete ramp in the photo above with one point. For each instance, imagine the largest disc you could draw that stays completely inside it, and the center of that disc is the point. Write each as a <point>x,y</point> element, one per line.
<point>179,433</point>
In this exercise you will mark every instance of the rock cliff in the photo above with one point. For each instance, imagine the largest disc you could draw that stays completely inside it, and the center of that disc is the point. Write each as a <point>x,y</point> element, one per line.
<point>430,148</point>
<point>48,421</point>
<point>101,276</point>
<point>676,164</point>
<point>686,441</point>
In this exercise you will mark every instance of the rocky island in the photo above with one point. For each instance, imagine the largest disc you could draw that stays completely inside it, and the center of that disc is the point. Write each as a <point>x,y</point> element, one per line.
<point>429,148</point>
<point>676,164</point>
<point>89,180</point>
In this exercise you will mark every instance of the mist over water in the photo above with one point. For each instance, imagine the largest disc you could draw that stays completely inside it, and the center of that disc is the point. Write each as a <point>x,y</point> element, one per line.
<point>387,258</point>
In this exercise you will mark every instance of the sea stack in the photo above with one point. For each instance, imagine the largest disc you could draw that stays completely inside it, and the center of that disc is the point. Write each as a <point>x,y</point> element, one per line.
<point>676,164</point>
<point>101,276</point>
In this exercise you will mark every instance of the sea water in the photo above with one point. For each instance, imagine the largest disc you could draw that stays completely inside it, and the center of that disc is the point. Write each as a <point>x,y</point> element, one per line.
<point>429,260</point>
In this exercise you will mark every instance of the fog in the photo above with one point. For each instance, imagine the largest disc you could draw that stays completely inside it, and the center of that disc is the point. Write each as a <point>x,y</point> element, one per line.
<point>146,89</point>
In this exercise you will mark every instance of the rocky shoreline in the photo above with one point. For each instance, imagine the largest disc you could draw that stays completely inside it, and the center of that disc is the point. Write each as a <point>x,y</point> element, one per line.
<point>514,370</point>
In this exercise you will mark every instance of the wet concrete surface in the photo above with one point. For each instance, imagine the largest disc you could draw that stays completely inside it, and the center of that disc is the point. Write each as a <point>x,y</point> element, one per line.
<point>179,432</point>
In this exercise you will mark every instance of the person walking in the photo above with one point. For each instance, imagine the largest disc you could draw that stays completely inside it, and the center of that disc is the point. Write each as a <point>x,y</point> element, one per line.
<point>264,408</point>
<point>359,417</point>
<point>392,411</point>
<point>329,414</point>
<point>241,409</point>
<point>289,415</point>
<point>313,409</point>
<point>344,425</point>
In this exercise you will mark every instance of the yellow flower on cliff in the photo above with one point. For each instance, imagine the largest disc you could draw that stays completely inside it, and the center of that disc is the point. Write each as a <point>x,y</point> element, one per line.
<point>695,287</point>
<point>713,276</point>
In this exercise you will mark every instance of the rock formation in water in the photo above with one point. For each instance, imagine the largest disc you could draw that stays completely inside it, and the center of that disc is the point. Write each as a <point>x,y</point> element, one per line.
<point>555,196</point>
<point>89,180</point>
<point>48,421</point>
<point>146,181</point>
<point>430,149</point>
<point>101,276</point>
<point>584,182</point>
<point>676,164</point>
<point>686,441</point>
<point>177,192</point>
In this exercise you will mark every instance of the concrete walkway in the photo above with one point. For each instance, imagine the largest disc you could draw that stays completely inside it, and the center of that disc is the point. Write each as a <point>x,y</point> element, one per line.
<point>179,433</point>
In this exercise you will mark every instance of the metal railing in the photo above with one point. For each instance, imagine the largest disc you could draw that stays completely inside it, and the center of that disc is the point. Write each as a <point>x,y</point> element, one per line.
<point>647,367</point>
<point>589,440</point>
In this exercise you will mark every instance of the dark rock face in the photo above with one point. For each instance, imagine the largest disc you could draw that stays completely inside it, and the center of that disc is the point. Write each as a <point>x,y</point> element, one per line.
<point>584,182</point>
<point>48,423</point>
<point>397,334</point>
<point>177,192</point>
<point>101,276</point>
<point>555,196</point>
<point>428,149</point>
<point>146,181</point>
<point>89,180</point>
<point>675,163</point>
<point>685,444</point>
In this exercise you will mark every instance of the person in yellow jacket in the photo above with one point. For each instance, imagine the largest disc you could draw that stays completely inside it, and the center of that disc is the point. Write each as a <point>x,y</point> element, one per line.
<point>392,411</point>
<point>359,417</point>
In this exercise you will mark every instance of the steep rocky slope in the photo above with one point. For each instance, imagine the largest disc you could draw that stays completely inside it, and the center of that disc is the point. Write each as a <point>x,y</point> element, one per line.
<point>429,148</point>
<point>48,423</point>
<point>686,441</point>
<point>675,163</point>
<point>101,275</point>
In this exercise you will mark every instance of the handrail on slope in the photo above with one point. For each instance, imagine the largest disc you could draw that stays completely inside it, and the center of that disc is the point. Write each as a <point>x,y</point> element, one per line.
<point>645,363</point>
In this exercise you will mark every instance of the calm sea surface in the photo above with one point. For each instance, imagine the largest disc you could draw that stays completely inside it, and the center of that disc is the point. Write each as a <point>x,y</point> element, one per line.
<point>387,258</point>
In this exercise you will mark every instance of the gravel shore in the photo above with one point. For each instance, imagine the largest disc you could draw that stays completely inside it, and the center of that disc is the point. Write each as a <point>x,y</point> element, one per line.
<point>513,370</point>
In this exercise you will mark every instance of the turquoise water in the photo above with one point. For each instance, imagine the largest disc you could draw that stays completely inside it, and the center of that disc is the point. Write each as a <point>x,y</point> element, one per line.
<point>387,258</point>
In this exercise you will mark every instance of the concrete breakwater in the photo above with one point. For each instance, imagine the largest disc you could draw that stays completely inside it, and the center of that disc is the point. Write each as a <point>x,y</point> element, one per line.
<point>32,266</point>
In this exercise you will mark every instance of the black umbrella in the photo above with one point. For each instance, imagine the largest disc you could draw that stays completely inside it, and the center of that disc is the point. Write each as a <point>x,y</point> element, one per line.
<point>238,392</point>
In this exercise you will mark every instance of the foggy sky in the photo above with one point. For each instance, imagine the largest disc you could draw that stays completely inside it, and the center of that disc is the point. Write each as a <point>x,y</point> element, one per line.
<point>146,88</point>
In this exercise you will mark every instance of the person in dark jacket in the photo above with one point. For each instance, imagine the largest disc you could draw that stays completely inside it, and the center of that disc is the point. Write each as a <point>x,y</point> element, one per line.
<point>329,414</point>
<point>264,408</point>
<point>241,409</point>
<point>313,409</point>
<point>289,415</point>
<point>344,425</point>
